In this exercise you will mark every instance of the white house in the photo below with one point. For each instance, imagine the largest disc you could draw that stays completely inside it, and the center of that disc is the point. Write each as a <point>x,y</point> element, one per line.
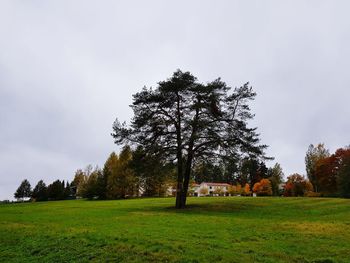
<point>204,189</point>
<point>212,189</point>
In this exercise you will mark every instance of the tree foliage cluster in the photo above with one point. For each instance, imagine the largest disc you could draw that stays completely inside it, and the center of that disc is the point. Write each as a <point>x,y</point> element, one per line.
<point>239,190</point>
<point>132,173</point>
<point>298,185</point>
<point>329,173</point>
<point>263,188</point>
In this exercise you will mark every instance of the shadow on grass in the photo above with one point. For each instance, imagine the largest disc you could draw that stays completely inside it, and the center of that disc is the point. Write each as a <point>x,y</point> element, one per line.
<point>203,208</point>
<point>215,208</point>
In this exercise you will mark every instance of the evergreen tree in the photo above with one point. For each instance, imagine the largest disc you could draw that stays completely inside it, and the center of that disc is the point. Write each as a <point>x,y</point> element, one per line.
<point>202,172</point>
<point>55,191</point>
<point>24,190</point>
<point>153,173</point>
<point>249,172</point>
<point>231,171</point>
<point>40,191</point>
<point>67,191</point>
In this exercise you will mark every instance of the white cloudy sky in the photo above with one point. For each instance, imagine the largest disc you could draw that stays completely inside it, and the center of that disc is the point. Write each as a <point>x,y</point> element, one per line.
<point>69,68</point>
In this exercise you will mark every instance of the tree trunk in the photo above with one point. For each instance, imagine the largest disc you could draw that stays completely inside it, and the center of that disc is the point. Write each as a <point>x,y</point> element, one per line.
<point>188,166</point>
<point>187,176</point>
<point>179,187</point>
<point>180,200</point>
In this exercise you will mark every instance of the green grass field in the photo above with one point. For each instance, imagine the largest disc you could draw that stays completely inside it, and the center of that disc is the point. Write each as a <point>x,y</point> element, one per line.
<point>217,229</point>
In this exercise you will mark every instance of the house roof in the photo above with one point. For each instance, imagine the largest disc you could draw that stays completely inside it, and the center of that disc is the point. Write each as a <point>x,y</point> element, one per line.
<point>216,184</point>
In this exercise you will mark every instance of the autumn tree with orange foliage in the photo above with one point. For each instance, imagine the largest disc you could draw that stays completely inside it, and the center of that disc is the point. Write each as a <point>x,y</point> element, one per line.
<point>263,188</point>
<point>297,185</point>
<point>246,190</point>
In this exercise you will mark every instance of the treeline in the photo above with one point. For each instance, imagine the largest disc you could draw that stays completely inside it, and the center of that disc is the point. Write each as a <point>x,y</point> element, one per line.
<point>327,175</point>
<point>58,190</point>
<point>134,173</point>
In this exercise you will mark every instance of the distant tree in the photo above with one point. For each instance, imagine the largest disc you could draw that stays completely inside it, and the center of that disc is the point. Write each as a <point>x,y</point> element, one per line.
<point>251,171</point>
<point>309,189</point>
<point>122,182</point>
<point>344,176</point>
<point>313,156</point>
<point>262,170</point>
<point>205,171</point>
<point>326,175</point>
<point>92,184</point>
<point>297,185</point>
<point>263,188</point>
<point>101,185</point>
<point>40,191</point>
<point>288,189</point>
<point>55,191</point>
<point>81,179</point>
<point>110,167</point>
<point>231,171</point>
<point>67,191</point>
<point>218,173</point>
<point>187,121</point>
<point>239,189</point>
<point>224,171</point>
<point>332,173</point>
<point>275,175</point>
<point>24,190</point>
<point>153,173</point>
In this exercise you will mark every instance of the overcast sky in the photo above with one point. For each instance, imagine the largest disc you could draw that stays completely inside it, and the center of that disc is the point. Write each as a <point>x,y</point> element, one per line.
<point>69,68</point>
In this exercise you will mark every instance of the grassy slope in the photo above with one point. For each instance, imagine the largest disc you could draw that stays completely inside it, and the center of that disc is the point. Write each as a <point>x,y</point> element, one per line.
<point>227,229</point>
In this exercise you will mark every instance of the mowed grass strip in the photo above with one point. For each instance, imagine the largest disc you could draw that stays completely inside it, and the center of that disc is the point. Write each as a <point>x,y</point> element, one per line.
<point>216,229</point>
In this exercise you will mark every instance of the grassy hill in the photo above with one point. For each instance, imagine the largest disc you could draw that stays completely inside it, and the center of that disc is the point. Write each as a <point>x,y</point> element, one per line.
<point>227,229</point>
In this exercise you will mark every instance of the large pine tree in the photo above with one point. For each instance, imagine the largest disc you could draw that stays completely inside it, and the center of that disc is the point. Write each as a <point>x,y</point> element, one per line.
<point>187,121</point>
